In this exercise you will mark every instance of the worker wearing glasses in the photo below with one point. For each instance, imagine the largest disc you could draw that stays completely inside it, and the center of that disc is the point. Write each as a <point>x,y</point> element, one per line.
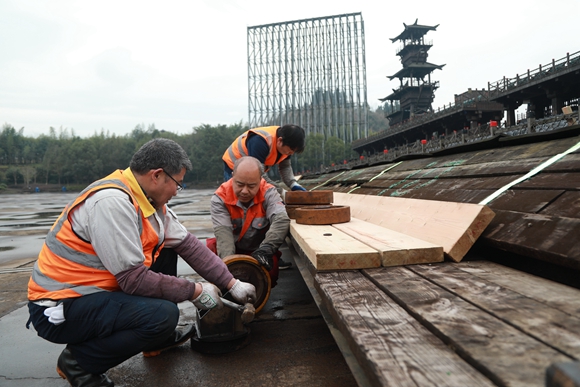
<point>105,282</point>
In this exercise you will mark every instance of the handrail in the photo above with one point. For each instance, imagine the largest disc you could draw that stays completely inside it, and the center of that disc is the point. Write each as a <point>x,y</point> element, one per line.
<point>548,70</point>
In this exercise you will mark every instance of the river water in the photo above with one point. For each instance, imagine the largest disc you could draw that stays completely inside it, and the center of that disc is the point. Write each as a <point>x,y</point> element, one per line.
<point>25,219</point>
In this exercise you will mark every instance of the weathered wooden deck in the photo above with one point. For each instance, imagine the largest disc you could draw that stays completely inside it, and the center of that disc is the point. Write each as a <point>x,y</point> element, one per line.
<point>477,322</point>
<point>473,323</point>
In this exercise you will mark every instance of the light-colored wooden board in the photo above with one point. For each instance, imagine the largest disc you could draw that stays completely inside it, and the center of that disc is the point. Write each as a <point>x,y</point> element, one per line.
<point>455,226</point>
<point>547,324</point>
<point>503,352</point>
<point>393,348</point>
<point>330,249</point>
<point>396,248</point>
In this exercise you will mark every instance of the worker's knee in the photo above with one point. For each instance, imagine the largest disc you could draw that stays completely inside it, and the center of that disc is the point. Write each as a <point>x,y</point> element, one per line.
<point>165,318</point>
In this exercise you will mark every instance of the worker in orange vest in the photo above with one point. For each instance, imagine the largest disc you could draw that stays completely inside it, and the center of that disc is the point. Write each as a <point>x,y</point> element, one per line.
<point>105,282</point>
<point>249,217</point>
<point>271,145</point>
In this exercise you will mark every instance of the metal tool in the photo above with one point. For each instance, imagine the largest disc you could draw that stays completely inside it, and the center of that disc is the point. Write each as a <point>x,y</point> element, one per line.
<point>248,311</point>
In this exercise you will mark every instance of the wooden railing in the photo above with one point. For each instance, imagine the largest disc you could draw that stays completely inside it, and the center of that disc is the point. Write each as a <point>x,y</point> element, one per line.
<point>566,64</point>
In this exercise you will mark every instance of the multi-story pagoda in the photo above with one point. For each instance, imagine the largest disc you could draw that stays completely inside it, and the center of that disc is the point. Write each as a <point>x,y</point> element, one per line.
<point>415,94</point>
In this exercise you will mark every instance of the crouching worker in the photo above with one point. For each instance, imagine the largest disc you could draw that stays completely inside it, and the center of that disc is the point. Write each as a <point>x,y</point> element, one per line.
<point>105,280</point>
<point>249,217</point>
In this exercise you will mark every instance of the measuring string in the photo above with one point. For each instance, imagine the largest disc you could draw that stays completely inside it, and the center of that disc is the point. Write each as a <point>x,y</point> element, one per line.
<point>534,171</point>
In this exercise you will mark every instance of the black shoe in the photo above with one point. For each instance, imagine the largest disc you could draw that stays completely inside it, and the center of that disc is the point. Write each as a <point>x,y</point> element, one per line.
<point>283,265</point>
<point>178,337</point>
<point>68,368</point>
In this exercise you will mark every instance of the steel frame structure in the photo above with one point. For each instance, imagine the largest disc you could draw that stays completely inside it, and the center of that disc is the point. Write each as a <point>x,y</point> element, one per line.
<point>311,73</point>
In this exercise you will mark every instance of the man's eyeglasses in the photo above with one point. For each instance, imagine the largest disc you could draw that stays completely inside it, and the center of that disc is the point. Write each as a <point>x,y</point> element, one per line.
<point>179,186</point>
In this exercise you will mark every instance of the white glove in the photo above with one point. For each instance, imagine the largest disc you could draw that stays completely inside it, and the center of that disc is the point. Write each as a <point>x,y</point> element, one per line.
<point>55,314</point>
<point>209,297</point>
<point>243,292</point>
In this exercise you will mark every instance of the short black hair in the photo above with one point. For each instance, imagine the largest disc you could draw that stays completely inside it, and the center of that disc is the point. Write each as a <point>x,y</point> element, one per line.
<point>160,153</point>
<point>292,136</point>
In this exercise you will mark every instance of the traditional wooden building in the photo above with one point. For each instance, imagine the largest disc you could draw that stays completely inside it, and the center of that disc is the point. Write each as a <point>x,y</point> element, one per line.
<point>416,91</point>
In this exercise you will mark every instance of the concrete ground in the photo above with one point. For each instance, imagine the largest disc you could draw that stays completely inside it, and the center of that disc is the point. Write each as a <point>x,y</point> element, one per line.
<point>289,345</point>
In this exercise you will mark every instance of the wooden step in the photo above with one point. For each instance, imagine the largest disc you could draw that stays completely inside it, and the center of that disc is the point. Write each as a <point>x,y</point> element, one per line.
<point>395,248</point>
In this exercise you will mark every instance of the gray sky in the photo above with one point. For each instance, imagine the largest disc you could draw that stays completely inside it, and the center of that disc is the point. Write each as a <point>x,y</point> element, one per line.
<point>92,65</point>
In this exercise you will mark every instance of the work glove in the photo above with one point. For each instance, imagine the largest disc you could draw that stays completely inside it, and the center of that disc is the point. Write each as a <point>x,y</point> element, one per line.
<point>297,187</point>
<point>263,255</point>
<point>209,297</point>
<point>243,292</point>
<point>55,314</point>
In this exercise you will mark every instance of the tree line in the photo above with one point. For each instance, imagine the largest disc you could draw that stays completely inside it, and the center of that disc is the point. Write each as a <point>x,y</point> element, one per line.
<point>63,158</point>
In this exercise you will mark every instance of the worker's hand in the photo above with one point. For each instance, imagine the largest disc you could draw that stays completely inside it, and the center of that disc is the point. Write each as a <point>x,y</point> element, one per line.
<point>243,292</point>
<point>263,255</point>
<point>209,297</point>
<point>297,187</point>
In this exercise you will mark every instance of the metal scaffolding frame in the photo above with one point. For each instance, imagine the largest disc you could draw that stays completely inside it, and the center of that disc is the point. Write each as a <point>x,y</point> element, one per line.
<point>311,73</point>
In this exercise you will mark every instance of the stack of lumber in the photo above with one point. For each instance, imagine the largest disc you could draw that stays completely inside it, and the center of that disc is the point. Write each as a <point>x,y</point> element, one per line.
<point>538,217</point>
<point>391,232</point>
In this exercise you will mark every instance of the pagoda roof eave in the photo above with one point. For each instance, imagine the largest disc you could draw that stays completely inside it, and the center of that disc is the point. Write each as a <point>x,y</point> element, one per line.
<point>413,28</point>
<point>419,70</point>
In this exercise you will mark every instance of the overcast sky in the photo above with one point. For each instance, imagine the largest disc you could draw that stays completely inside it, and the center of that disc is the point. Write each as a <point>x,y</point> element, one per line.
<point>92,65</point>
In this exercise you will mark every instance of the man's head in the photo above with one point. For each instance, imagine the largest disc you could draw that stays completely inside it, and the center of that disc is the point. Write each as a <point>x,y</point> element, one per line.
<point>159,166</point>
<point>246,178</point>
<point>290,139</point>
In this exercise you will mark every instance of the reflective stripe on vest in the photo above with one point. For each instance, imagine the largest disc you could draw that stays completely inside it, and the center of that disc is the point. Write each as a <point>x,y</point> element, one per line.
<point>68,266</point>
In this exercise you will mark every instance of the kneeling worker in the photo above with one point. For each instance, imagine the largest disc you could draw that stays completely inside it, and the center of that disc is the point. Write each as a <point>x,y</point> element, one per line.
<point>249,217</point>
<point>105,280</point>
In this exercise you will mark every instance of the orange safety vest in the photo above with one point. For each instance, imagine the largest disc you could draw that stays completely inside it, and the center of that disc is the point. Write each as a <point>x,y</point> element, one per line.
<point>249,225</point>
<point>239,149</point>
<point>68,266</point>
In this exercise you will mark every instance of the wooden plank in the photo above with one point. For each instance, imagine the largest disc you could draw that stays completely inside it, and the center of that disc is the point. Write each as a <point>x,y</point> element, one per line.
<point>455,226</point>
<point>437,169</point>
<point>395,248</point>
<point>567,205</point>
<point>549,238</point>
<point>553,294</point>
<point>484,182</point>
<point>508,356</point>
<point>547,324</point>
<point>331,249</point>
<point>566,181</point>
<point>393,347</point>
<point>570,163</point>
<point>525,200</point>
<point>448,195</point>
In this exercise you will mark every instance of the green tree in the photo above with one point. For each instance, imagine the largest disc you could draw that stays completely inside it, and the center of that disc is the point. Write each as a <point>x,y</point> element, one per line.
<point>13,174</point>
<point>208,146</point>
